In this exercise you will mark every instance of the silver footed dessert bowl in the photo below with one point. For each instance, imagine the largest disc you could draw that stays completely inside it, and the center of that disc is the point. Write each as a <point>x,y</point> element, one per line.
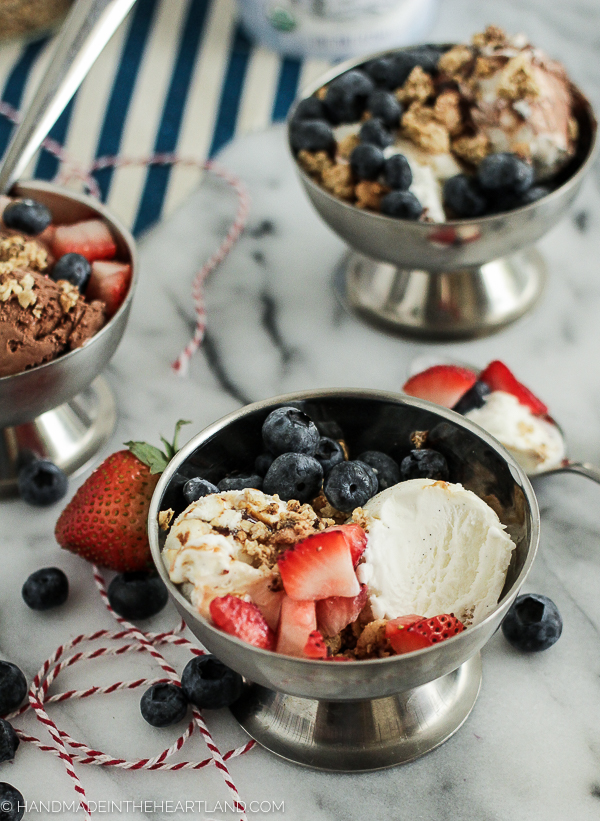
<point>382,707</point>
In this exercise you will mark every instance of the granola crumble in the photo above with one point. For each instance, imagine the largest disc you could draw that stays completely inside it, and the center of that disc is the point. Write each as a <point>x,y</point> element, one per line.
<point>420,125</point>
<point>338,180</point>
<point>369,194</point>
<point>418,87</point>
<point>17,252</point>
<point>472,149</point>
<point>314,162</point>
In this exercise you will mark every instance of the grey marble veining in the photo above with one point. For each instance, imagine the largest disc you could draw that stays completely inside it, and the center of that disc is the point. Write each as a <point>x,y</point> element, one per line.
<point>531,749</point>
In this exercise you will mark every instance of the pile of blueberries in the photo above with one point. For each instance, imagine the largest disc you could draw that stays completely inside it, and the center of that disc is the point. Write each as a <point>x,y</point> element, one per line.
<point>298,463</point>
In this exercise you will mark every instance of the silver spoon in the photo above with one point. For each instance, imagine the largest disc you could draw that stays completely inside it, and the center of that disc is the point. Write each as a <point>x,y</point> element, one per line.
<point>87,29</point>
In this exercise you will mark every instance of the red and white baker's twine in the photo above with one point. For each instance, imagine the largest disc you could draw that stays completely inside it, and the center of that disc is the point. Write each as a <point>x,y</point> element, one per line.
<point>74,171</point>
<point>65,747</point>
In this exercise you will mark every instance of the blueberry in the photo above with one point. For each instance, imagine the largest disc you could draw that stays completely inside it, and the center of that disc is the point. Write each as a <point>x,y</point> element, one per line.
<point>137,595</point>
<point>386,107</point>
<point>462,195</point>
<point>163,704</point>
<point>196,488</point>
<point>385,468</point>
<point>209,684</point>
<point>533,623</point>
<point>46,588</point>
<point>374,132</point>
<point>402,205</point>
<point>74,268</point>
<point>28,216</point>
<point>329,453</point>
<point>263,462</point>
<point>346,96</point>
<point>350,485</point>
<point>310,109</point>
<point>311,135</point>
<point>240,483</point>
<point>12,803</point>
<point>288,430</point>
<point>533,194</point>
<point>13,687</point>
<point>294,476</point>
<point>367,161</point>
<point>9,741</point>
<point>427,57</point>
<point>397,173</point>
<point>387,72</point>
<point>424,464</point>
<point>41,483</point>
<point>505,171</point>
<point>474,398</point>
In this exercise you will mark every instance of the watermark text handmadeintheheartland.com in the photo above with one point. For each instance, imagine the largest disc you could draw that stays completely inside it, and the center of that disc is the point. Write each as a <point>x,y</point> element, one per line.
<point>148,807</point>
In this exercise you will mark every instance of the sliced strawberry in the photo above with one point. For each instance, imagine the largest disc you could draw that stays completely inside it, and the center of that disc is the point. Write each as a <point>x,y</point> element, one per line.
<point>499,378</point>
<point>318,567</point>
<point>90,238</point>
<point>109,282</point>
<point>296,623</point>
<point>315,647</point>
<point>442,384</point>
<point>419,633</point>
<point>356,538</point>
<point>337,612</point>
<point>267,600</point>
<point>243,620</point>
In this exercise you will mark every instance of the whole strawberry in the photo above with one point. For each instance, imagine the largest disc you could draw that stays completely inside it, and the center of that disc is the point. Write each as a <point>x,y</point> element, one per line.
<point>106,521</point>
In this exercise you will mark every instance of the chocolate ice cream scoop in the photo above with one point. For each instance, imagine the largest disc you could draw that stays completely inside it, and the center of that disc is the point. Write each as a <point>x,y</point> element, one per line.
<point>40,319</point>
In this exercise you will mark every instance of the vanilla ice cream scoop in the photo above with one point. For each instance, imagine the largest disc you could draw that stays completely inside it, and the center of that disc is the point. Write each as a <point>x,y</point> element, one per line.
<point>433,547</point>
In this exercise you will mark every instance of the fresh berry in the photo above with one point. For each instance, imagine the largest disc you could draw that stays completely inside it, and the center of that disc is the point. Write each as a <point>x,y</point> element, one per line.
<point>105,522</point>
<point>12,803</point>
<point>346,96</point>
<point>387,72</point>
<point>311,135</point>
<point>309,109</point>
<point>374,132</point>
<point>401,205</point>
<point>196,488</point>
<point>318,567</point>
<point>397,173</point>
<point>163,704</point>
<point>386,107</point>
<point>209,684</point>
<point>294,476</point>
<point>298,620</point>
<point>504,171</point>
<point>533,194</point>
<point>315,647</point>
<point>28,216</point>
<point>46,588</point>
<point>90,238</point>
<point>427,57</point>
<point>356,538</point>
<point>367,161</point>
<point>442,384</point>
<point>395,626</point>
<point>463,197</point>
<point>500,378</point>
<point>329,453</point>
<point>74,268</point>
<point>385,468</point>
<point>240,483</point>
<point>267,599</point>
<point>350,485</point>
<point>474,398</point>
<point>533,623</point>
<point>263,462</point>
<point>289,430</point>
<point>424,464</point>
<point>137,595</point>
<point>423,633</point>
<point>13,687</point>
<point>337,612</point>
<point>109,282</point>
<point>243,620</point>
<point>41,483</point>
<point>9,741</point>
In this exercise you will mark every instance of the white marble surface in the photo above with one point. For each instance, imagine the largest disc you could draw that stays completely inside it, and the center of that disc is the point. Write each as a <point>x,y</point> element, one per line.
<point>531,749</point>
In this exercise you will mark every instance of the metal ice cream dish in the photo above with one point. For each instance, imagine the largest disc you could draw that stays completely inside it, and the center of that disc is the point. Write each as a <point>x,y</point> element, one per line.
<point>369,714</point>
<point>457,279</point>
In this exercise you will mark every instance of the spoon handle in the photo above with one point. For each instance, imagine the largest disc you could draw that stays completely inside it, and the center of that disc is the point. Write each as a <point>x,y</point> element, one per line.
<point>88,27</point>
<point>582,468</point>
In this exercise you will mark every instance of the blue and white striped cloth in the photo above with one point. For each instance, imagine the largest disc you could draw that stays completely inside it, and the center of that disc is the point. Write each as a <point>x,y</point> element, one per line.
<point>178,76</point>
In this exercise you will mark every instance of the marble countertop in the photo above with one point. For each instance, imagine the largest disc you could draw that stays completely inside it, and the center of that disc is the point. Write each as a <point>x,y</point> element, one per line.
<point>530,751</point>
